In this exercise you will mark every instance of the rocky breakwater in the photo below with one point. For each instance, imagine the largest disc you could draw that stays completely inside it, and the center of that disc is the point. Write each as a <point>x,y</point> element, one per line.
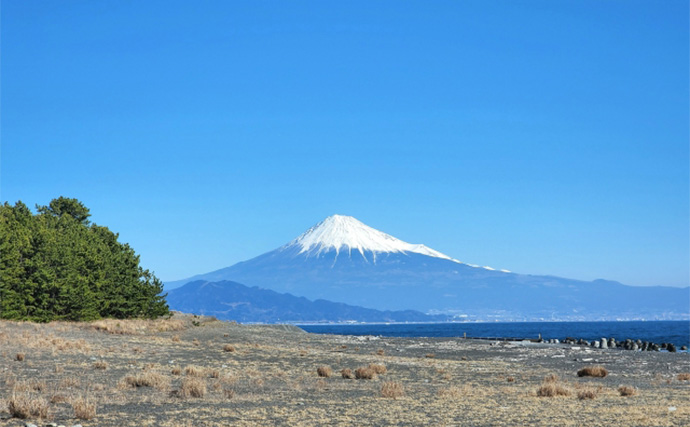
<point>611,343</point>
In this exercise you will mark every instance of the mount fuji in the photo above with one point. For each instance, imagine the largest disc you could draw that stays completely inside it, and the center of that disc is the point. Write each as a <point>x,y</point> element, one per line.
<point>341,259</point>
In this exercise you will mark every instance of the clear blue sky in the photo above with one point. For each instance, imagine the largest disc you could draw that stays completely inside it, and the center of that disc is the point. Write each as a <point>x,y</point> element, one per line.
<point>544,137</point>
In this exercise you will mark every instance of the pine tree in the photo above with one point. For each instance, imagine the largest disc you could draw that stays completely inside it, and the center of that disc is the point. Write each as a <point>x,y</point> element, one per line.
<point>58,265</point>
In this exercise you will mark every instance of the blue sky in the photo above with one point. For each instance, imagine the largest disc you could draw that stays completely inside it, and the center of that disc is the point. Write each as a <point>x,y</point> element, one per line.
<point>537,136</point>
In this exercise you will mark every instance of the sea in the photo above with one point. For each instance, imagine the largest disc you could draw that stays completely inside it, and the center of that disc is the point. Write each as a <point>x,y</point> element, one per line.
<point>662,331</point>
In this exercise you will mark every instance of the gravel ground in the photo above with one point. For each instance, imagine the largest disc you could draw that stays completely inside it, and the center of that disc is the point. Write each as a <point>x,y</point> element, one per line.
<point>267,375</point>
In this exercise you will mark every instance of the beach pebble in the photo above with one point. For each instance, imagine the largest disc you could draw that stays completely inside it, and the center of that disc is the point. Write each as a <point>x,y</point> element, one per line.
<point>671,408</point>
<point>30,425</point>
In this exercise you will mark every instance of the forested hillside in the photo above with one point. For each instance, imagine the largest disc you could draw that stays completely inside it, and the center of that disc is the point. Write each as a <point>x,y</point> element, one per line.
<point>57,265</point>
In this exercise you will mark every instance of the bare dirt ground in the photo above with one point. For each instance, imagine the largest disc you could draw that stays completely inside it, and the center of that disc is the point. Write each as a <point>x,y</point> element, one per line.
<point>190,371</point>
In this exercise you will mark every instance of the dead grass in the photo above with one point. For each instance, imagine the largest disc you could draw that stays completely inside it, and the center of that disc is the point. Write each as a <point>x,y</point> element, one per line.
<point>392,390</point>
<point>365,373</point>
<point>148,379</point>
<point>553,389</point>
<point>626,390</point>
<point>59,398</point>
<point>69,382</point>
<point>378,368</point>
<point>380,352</point>
<point>229,348</point>
<point>176,370</point>
<point>450,392</point>
<point>193,387</point>
<point>28,405</point>
<point>324,371</point>
<point>593,371</point>
<point>137,326</point>
<point>83,407</point>
<point>685,376</point>
<point>101,365</point>
<point>20,357</point>
<point>551,378</point>
<point>347,374</point>
<point>29,385</point>
<point>214,373</point>
<point>587,393</point>
<point>193,371</point>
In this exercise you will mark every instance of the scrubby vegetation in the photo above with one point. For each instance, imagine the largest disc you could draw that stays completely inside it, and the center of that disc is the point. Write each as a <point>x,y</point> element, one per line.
<point>57,265</point>
<point>593,371</point>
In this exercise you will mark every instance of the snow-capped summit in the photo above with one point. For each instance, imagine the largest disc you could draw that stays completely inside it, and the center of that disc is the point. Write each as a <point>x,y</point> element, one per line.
<point>346,233</point>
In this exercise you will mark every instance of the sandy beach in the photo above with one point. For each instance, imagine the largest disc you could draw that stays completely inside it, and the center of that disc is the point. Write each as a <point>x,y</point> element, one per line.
<point>193,371</point>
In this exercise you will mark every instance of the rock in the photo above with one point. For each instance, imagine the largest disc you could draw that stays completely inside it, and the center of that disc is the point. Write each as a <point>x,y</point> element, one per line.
<point>671,348</point>
<point>603,343</point>
<point>596,344</point>
<point>684,348</point>
<point>634,347</point>
<point>30,425</point>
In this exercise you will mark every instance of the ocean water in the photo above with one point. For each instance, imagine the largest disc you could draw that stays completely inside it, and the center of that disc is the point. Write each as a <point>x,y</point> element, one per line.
<point>676,332</point>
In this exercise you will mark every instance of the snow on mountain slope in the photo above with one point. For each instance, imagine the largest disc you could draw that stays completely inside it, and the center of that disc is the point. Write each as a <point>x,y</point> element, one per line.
<point>345,233</point>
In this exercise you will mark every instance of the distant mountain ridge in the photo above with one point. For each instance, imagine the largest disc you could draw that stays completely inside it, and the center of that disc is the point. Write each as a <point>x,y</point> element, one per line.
<point>341,259</point>
<point>234,301</point>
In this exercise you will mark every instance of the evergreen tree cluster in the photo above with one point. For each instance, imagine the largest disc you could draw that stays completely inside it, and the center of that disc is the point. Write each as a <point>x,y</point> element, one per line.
<point>57,265</point>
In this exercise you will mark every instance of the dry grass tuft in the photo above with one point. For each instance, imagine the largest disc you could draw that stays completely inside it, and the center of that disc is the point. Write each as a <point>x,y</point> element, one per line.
<point>20,357</point>
<point>324,371</point>
<point>176,338</point>
<point>430,355</point>
<point>378,368</point>
<point>380,352</point>
<point>193,387</point>
<point>84,408</point>
<point>593,371</point>
<point>587,393</point>
<point>148,379</point>
<point>228,393</point>
<point>26,405</point>
<point>551,378</point>
<point>193,371</point>
<point>685,376</point>
<point>229,348</point>
<point>450,393</point>
<point>392,389</point>
<point>29,385</point>
<point>58,398</point>
<point>69,382</point>
<point>347,374</point>
<point>510,379</point>
<point>176,370</point>
<point>552,389</point>
<point>626,390</point>
<point>137,326</point>
<point>102,365</point>
<point>365,373</point>
<point>214,373</point>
